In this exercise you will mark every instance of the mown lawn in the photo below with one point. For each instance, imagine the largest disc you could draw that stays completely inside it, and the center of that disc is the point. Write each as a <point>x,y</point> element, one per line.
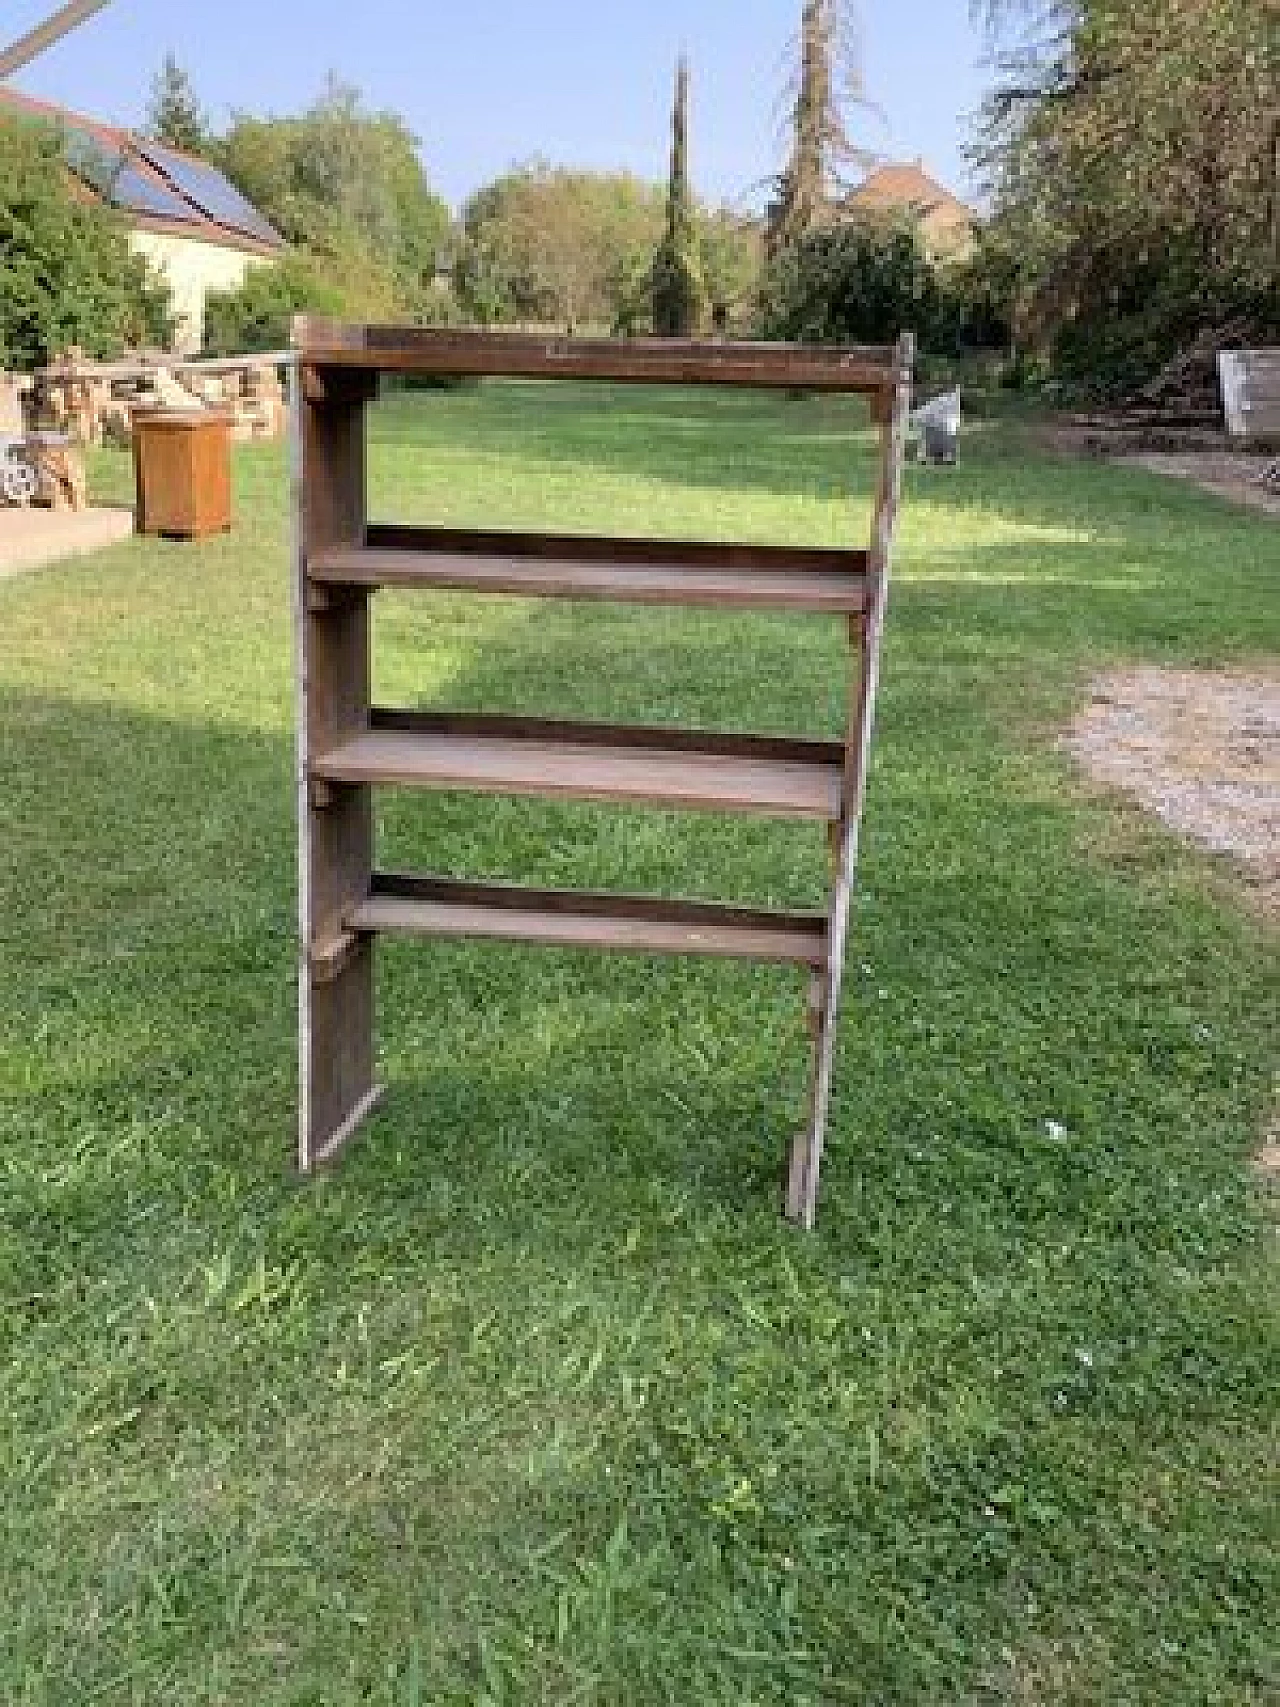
<point>535,1398</point>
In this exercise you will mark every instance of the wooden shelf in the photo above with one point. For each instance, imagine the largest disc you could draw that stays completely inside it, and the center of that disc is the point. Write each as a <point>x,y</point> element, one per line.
<point>433,906</point>
<point>508,755</point>
<point>348,746</point>
<point>573,567</point>
<point>650,361</point>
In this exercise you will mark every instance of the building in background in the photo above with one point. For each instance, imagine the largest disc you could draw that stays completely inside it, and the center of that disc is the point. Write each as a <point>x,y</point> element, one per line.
<point>183,216</point>
<point>947,225</point>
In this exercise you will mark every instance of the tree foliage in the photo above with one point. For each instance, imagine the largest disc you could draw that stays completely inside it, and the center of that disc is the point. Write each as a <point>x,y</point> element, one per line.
<point>554,246</point>
<point>346,185</point>
<point>67,275</point>
<point>678,290</point>
<point>1132,154</point>
<point>731,254</point>
<point>174,114</point>
<point>257,314</point>
<point>550,246</point>
<point>858,282</point>
<point>864,281</point>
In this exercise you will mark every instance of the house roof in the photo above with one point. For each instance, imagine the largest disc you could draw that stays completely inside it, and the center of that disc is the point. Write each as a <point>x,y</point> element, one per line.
<point>156,187</point>
<point>900,184</point>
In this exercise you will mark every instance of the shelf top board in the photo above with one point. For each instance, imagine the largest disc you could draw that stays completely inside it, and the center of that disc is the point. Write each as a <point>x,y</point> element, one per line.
<point>653,361</point>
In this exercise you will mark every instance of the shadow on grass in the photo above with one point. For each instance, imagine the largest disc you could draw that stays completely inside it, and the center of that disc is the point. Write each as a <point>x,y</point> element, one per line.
<point>717,443</point>
<point>724,451</point>
<point>539,1349</point>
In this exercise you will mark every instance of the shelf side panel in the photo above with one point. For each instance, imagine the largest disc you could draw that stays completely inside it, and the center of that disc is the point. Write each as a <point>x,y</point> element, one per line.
<point>335,1004</point>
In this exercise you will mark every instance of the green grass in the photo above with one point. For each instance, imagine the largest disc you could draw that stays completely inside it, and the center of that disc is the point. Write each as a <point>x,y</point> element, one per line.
<point>535,1399</point>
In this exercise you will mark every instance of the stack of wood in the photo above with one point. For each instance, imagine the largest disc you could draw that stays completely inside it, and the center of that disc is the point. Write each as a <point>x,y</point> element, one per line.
<point>60,471</point>
<point>1188,385</point>
<point>93,402</point>
<point>261,410</point>
<point>13,405</point>
<point>1179,410</point>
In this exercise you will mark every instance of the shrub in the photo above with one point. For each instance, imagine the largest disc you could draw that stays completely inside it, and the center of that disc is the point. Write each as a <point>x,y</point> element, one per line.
<point>256,316</point>
<point>865,281</point>
<point>67,275</point>
<point>854,283</point>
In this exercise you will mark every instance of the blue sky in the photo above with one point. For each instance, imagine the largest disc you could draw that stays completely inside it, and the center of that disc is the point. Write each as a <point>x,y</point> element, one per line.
<point>497,82</point>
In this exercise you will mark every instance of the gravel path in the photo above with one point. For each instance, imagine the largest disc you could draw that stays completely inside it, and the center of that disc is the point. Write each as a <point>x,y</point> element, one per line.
<point>1202,751</point>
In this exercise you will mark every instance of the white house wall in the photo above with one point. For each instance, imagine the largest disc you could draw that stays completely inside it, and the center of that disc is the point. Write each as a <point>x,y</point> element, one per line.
<point>192,269</point>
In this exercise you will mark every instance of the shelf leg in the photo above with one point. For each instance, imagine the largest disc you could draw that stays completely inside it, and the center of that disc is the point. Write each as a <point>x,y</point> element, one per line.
<point>335,824</point>
<point>864,632</point>
<point>338,1088</point>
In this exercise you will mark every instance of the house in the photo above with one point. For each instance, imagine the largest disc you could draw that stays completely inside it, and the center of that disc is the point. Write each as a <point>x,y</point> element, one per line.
<point>905,188</point>
<point>183,216</point>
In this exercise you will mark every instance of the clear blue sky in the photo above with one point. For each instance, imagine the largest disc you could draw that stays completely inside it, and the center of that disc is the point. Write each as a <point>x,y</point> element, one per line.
<point>486,85</point>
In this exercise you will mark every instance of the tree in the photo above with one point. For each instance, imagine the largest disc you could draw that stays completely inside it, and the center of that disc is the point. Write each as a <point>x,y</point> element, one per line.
<point>67,275</point>
<point>175,115</point>
<point>730,250</point>
<point>677,274</point>
<point>821,151</point>
<point>553,246</point>
<point>346,185</point>
<point>1131,155</point>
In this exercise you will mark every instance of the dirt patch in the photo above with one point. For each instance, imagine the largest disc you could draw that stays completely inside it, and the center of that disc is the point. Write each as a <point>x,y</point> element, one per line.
<point>1205,458</point>
<point>1267,1160</point>
<point>31,538</point>
<point>1230,474</point>
<point>1200,749</point>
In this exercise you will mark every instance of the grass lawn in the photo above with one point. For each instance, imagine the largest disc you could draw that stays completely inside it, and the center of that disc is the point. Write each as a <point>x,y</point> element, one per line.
<point>535,1398</point>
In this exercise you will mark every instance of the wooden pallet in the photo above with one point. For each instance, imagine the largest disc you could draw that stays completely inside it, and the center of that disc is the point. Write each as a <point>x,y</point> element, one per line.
<point>347,746</point>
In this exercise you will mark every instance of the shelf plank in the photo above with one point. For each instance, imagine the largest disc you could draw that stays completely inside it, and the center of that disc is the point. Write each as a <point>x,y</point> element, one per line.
<point>683,769</point>
<point>433,906</point>
<point>652,361</point>
<point>576,567</point>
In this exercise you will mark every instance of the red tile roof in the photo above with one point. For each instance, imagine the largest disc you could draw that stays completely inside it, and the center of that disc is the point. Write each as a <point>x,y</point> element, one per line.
<point>905,184</point>
<point>160,203</point>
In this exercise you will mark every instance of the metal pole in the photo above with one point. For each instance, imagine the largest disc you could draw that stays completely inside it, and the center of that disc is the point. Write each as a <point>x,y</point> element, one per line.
<point>45,35</point>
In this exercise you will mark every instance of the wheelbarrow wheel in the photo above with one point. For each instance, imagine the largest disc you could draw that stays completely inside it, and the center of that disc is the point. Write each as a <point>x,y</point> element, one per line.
<point>19,482</point>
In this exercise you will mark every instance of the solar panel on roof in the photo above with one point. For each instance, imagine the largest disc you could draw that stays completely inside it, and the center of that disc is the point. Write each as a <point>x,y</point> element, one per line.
<point>210,191</point>
<point>92,160</point>
<point>134,190</point>
<point>105,169</point>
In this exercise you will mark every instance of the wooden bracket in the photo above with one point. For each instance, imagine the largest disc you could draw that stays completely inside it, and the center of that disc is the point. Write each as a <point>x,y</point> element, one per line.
<point>816,1006</point>
<point>330,956</point>
<point>319,599</point>
<point>324,599</point>
<point>338,385</point>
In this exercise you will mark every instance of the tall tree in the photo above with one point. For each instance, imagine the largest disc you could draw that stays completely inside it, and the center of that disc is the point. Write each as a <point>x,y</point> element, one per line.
<point>1131,156</point>
<point>175,115</point>
<point>677,273</point>
<point>828,81</point>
